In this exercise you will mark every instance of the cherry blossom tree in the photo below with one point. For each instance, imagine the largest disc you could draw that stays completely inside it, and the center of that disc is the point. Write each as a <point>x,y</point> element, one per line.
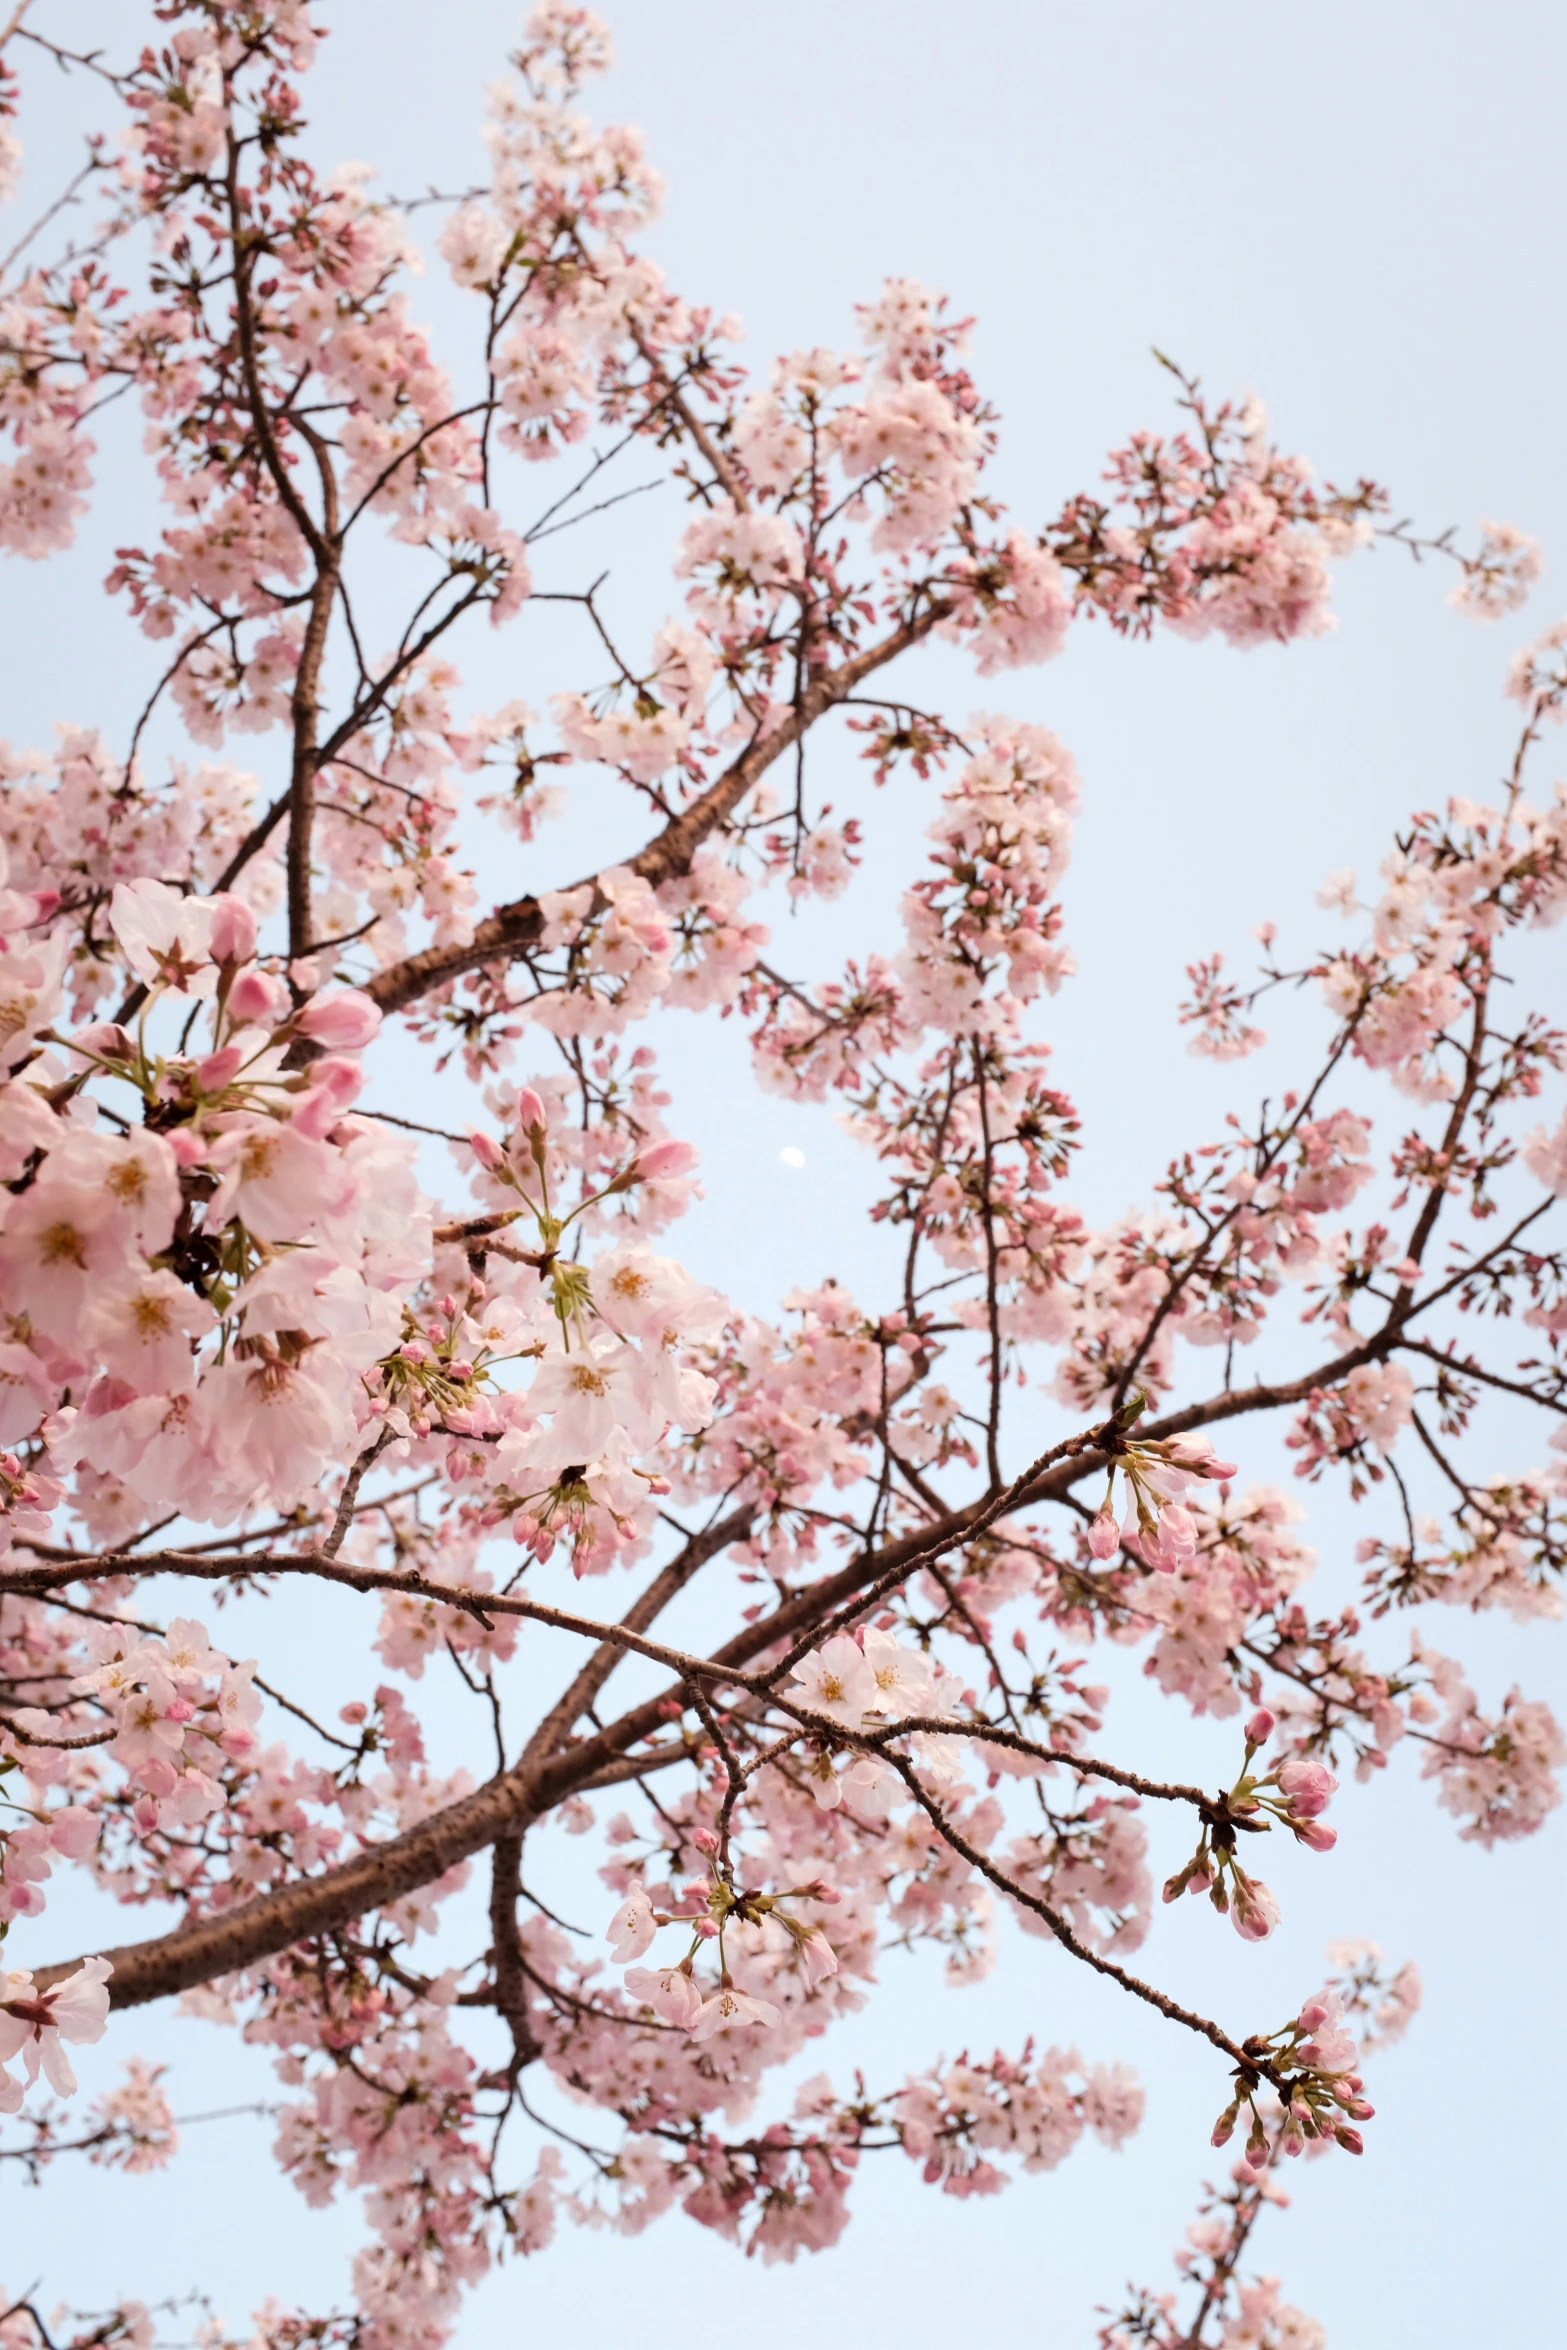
<point>246,1351</point>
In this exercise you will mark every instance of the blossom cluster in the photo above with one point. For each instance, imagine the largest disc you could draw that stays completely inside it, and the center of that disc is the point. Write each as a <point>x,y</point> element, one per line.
<point>335,1173</point>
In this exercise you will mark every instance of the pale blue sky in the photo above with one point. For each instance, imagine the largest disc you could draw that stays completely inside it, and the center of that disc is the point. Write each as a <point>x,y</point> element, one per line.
<point>1356,212</point>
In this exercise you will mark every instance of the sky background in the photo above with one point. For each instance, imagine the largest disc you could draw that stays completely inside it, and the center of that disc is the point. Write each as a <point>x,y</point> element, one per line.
<point>1354,211</point>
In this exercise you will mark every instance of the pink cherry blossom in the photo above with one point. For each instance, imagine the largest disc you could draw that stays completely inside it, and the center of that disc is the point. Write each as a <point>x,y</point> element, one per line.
<point>632,1928</point>
<point>838,1680</point>
<point>339,1168</point>
<point>35,2024</point>
<point>730,2011</point>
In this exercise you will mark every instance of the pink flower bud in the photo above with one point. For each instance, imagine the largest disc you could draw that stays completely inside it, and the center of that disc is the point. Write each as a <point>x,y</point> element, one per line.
<point>1261,1727</point>
<point>1256,1912</point>
<point>530,1110</point>
<point>487,1151</point>
<point>353,1714</point>
<point>1224,2128</point>
<point>1316,1835</point>
<point>704,1840</point>
<point>186,1144</point>
<point>106,1039</point>
<point>1351,2140</point>
<point>661,1160</point>
<point>258,1000</point>
<point>216,1071</point>
<point>341,1018</point>
<point>1104,1538</point>
<point>1309,1786</point>
<point>233,930</point>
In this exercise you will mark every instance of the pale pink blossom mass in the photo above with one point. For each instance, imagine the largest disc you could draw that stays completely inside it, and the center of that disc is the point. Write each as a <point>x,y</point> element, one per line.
<point>808,1617</point>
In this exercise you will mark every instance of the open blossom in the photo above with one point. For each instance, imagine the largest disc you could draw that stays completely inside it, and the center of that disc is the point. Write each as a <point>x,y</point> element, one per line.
<point>731,557</point>
<point>905,1678</point>
<point>35,2024</point>
<point>167,938</point>
<point>1545,1155</point>
<point>632,1928</point>
<point>1498,577</point>
<point>1380,1396</point>
<point>1325,2044</point>
<point>730,2011</point>
<point>669,1991</point>
<point>415,1353</point>
<point>837,1680</point>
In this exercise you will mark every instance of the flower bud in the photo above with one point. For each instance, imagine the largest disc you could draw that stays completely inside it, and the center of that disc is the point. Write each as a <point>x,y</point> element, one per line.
<point>1104,1538</point>
<point>256,998</point>
<point>661,1160</point>
<point>1261,1727</point>
<point>105,1039</point>
<point>233,930</point>
<point>1309,1786</point>
<point>216,1071</point>
<point>1351,2140</point>
<point>530,1110</point>
<point>1256,1912</point>
<point>341,1018</point>
<point>487,1151</point>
